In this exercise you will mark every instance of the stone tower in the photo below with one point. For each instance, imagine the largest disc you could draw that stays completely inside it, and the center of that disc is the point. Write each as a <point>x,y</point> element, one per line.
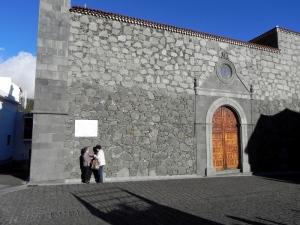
<point>51,106</point>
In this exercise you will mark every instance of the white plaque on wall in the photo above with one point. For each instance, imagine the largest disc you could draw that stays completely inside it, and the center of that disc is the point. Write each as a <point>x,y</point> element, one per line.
<point>86,128</point>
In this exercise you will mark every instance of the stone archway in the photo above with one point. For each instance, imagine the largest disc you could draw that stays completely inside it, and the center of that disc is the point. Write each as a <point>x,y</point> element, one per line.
<point>241,116</point>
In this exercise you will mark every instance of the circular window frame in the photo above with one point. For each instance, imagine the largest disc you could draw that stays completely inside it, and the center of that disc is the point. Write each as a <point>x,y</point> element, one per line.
<point>218,71</point>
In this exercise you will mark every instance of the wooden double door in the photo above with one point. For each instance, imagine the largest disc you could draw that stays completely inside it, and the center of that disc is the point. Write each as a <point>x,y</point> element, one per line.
<point>225,139</point>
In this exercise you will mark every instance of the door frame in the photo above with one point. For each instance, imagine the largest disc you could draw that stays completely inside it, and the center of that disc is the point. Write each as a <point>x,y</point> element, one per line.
<point>243,136</point>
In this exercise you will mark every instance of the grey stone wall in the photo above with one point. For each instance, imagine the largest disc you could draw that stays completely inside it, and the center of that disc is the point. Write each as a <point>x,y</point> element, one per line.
<point>138,82</point>
<point>278,79</point>
<point>141,94</point>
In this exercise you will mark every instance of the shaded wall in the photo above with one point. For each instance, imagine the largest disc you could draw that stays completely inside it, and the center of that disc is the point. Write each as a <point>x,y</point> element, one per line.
<point>22,146</point>
<point>274,143</point>
<point>8,112</point>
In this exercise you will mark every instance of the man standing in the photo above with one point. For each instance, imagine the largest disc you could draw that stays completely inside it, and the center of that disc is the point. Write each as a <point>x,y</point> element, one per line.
<point>101,158</point>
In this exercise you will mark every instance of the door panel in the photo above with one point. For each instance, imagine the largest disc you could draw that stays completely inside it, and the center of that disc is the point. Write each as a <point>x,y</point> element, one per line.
<point>231,149</point>
<point>225,139</point>
<point>218,153</point>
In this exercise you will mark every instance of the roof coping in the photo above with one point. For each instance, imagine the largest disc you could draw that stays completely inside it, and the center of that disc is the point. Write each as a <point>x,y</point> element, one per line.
<point>286,30</point>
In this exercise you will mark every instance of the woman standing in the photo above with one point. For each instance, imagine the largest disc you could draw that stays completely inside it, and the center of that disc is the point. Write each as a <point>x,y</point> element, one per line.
<point>86,171</point>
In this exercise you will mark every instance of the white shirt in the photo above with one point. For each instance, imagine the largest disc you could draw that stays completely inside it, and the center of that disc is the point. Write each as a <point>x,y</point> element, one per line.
<point>101,157</point>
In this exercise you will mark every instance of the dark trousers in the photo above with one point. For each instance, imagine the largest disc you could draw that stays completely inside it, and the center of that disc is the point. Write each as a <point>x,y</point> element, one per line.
<point>101,174</point>
<point>86,174</point>
<point>96,175</point>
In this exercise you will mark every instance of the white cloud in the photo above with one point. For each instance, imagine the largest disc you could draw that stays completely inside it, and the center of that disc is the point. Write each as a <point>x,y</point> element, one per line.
<point>21,69</point>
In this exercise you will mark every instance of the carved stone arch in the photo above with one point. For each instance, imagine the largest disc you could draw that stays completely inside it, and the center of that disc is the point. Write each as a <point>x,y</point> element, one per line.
<point>235,106</point>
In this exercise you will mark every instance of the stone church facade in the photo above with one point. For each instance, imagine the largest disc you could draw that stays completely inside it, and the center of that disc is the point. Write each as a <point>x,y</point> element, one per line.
<point>168,101</point>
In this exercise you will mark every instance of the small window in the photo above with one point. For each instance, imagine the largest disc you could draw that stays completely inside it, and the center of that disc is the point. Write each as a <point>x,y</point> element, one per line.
<point>225,71</point>
<point>28,127</point>
<point>8,140</point>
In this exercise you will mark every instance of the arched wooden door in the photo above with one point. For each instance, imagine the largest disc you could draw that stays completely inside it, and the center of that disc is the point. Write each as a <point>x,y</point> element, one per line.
<point>225,139</point>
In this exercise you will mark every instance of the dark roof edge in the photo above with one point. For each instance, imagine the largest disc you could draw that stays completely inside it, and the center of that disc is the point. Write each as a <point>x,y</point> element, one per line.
<point>146,23</point>
<point>275,29</point>
<point>264,34</point>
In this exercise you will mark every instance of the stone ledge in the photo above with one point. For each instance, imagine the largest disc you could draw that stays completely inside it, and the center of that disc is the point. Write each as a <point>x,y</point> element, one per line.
<point>50,113</point>
<point>222,93</point>
<point>138,178</point>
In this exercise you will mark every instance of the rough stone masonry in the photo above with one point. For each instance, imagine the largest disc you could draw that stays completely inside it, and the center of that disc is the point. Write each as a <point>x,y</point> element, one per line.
<point>153,89</point>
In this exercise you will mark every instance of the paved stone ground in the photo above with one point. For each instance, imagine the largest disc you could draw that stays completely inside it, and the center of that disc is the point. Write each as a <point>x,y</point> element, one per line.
<point>231,200</point>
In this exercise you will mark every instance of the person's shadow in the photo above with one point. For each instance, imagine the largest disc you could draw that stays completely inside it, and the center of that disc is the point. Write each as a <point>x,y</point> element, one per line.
<point>81,164</point>
<point>119,206</point>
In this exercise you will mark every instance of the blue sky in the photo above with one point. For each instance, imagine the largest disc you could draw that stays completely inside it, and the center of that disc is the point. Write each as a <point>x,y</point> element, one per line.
<point>238,19</point>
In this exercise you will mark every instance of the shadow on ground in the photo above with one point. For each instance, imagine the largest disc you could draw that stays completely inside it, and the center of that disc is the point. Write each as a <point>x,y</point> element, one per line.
<point>281,177</point>
<point>18,170</point>
<point>118,206</point>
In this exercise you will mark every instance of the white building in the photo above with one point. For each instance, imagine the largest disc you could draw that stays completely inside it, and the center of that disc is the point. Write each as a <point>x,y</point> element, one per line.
<point>13,144</point>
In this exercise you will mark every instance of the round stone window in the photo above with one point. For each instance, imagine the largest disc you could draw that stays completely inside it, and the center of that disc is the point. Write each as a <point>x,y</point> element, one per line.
<point>225,71</point>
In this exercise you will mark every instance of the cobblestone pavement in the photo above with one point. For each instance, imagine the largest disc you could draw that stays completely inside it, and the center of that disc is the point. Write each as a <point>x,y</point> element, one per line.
<point>231,200</point>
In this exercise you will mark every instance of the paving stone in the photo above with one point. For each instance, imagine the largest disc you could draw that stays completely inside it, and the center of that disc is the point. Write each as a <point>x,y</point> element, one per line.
<point>234,200</point>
